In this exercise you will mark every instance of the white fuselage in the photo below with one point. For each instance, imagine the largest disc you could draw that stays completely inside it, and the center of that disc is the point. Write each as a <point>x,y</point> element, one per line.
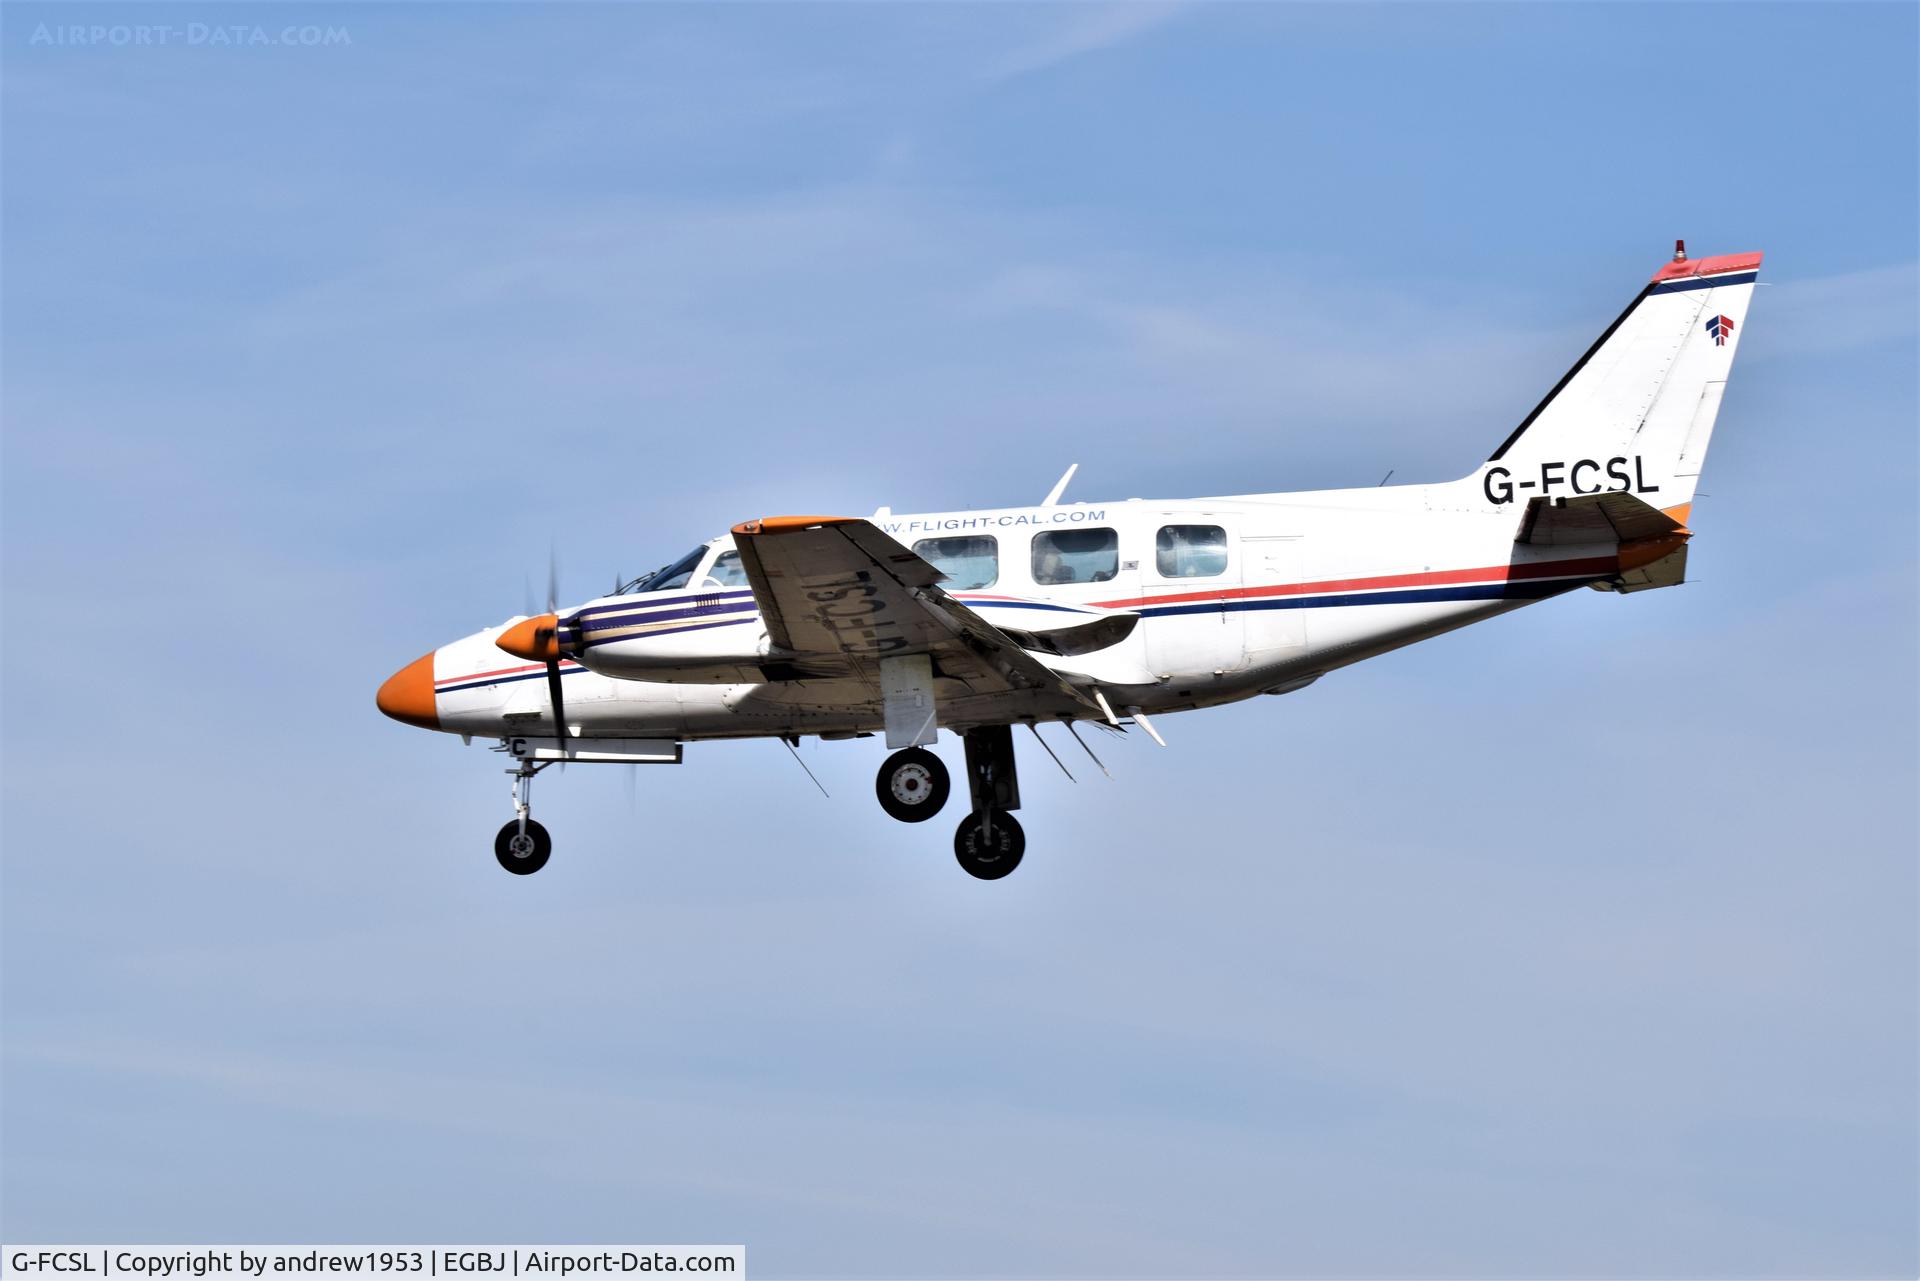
<point>1235,596</point>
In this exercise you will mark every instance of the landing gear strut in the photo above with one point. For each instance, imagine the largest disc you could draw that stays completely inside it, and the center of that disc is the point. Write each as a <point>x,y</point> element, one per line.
<point>913,785</point>
<point>523,846</point>
<point>990,843</point>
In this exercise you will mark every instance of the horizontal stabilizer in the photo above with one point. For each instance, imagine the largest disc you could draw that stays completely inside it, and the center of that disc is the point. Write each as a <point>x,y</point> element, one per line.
<point>1669,571</point>
<point>1593,518</point>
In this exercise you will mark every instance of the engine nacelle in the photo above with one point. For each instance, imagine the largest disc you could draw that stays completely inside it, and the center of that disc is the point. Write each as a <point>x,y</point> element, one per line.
<point>698,637</point>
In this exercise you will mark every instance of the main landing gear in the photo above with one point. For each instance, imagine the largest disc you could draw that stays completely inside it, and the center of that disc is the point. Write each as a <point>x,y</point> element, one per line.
<point>990,843</point>
<point>913,785</point>
<point>523,846</point>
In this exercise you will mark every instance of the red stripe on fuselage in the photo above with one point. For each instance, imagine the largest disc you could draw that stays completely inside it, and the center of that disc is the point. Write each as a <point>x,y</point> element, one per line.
<point>1431,578</point>
<point>504,671</point>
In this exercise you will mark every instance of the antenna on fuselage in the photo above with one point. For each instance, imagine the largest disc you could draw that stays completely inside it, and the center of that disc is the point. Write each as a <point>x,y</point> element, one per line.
<point>1053,496</point>
<point>1083,746</point>
<point>1050,752</point>
<point>792,742</point>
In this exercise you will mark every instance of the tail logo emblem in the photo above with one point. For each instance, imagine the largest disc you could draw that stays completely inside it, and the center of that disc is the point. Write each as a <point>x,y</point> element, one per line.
<point>1721,328</point>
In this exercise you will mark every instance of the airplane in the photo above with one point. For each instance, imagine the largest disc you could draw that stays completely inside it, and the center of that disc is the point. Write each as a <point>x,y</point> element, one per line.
<point>1098,614</point>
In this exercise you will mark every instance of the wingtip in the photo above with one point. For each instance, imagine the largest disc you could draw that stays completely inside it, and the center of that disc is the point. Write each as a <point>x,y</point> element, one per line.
<point>787,524</point>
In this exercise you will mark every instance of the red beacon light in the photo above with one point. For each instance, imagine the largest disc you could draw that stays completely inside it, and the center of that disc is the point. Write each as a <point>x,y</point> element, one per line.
<point>1679,251</point>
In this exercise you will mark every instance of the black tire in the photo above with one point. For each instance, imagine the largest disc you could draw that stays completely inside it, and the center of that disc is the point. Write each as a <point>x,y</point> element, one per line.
<point>523,860</point>
<point>912,785</point>
<point>995,856</point>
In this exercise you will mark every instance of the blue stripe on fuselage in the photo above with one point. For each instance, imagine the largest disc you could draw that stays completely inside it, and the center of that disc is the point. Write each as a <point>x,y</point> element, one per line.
<point>1398,596</point>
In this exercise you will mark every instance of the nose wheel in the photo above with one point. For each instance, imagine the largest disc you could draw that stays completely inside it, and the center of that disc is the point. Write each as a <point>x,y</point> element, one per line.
<point>523,846</point>
<point>913,785</point>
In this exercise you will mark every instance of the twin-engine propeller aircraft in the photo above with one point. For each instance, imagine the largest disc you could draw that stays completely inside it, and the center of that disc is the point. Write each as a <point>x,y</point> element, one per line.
<point>1107,613</point>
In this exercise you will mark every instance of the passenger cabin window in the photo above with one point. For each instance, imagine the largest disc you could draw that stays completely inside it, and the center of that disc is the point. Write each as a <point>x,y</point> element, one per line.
<point>1075,556</point>
<point>968,563</point>
<point>726,572</point>
<point>1191,551</point>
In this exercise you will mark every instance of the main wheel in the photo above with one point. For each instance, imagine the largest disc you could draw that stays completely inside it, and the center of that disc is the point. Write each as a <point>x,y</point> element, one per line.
<point>913,785</point>
<point>523,853</point>
<point>994,853</point>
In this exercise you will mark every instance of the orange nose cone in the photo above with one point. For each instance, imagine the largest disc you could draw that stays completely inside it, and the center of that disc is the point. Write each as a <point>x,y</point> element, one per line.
<point>537,639</point>
<point>408,695</point>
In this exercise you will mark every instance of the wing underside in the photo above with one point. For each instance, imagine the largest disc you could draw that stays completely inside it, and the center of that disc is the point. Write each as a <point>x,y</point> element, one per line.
<point>839,598</point>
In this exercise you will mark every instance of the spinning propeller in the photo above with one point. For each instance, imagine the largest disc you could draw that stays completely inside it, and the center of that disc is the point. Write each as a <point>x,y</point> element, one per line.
<point>538,639</point>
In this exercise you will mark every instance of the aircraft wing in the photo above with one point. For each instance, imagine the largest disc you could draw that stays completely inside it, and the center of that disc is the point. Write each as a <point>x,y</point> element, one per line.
<point>838,587</point>
<point>1615,517</point>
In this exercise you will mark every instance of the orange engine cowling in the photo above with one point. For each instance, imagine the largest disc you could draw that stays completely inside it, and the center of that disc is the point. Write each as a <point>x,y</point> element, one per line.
<point>540,639</point>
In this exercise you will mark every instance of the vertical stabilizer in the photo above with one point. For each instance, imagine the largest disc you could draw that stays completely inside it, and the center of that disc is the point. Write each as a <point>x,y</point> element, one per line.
<point>1635,414</point>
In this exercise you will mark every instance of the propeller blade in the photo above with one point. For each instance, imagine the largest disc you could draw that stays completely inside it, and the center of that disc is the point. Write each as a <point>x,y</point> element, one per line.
<point>538,639</point>
<point>559,704</point>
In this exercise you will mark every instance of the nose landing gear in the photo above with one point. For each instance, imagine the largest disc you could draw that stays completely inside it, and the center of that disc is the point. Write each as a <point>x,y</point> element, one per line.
<point>523,846</point>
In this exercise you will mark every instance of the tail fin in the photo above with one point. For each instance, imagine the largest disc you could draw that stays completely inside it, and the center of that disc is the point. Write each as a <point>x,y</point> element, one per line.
<point>1636,412</point>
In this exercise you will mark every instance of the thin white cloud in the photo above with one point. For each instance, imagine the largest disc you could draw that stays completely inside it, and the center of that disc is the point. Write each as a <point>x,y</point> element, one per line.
<point>1092,29</point>
<point>1836,313</point>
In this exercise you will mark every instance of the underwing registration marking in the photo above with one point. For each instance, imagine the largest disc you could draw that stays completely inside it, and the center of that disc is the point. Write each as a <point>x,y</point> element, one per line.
<point>856,612</point>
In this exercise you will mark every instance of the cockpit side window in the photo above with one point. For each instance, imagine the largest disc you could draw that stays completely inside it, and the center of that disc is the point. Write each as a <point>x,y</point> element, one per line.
<point>726,572</point>
<point>674,575</point>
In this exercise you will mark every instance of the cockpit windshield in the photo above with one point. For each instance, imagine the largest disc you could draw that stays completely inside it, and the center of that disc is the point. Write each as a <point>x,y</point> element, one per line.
<point>675,575</point>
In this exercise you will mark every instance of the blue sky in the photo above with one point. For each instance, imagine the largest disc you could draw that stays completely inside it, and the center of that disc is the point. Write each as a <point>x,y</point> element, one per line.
<point>1580,943</point>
